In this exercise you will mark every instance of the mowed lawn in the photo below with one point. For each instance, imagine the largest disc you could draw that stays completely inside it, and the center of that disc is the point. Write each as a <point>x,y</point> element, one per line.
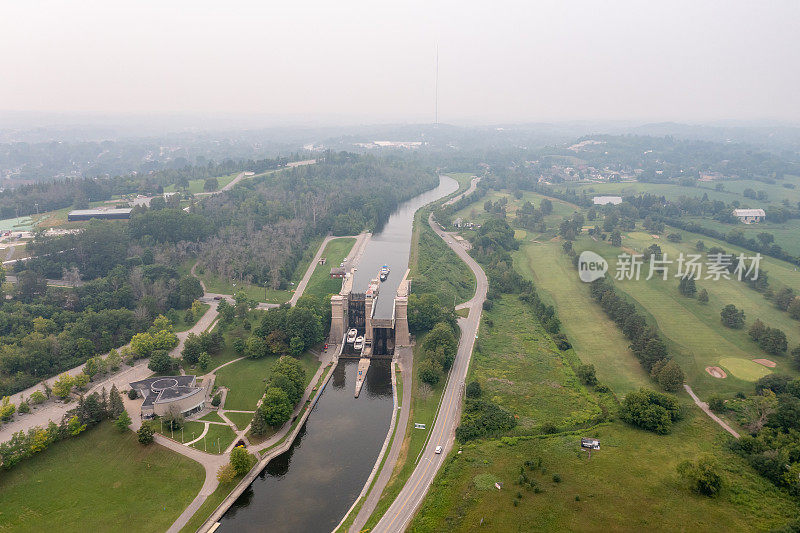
<point>246,379</point>
<point>787,234</point>
<point>240,419</point>
<point>103,480</point>
<point>320,284</point>
<point>594,337</point>
<point>630,484</point>
<point>519,367</point>
<point>197,185</point>
<point>694,332</point>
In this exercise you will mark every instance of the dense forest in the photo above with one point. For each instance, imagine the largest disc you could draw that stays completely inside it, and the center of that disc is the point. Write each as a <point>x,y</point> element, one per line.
<point>124,272</point>
<point>265,224</point>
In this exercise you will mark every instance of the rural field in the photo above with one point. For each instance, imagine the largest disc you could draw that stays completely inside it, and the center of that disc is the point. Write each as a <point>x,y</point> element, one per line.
<point>520,369</point>
<point>595,338</point>
<point>694,332</point>
<point>787,234</point>
<point>630,484</point>
<point>100,480</point>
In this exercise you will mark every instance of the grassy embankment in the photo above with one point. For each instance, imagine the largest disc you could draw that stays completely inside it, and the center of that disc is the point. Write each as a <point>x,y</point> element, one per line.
<point>97,481</point>
<point>630,483</point>
<point>320,284</point>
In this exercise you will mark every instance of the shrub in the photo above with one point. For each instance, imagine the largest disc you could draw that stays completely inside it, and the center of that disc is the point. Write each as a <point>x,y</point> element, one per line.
<point>556,478</point>
<point>702,477</point>
<point>587,375</point>
<point>132,394</point>
<point>226,474</point>
<point>650,410</point>
<point>24,407</point>
<point>483,418</point>
<point>37,397</point>
<point>216,400</point>
<point>473,390</point>
<point>123,421</point>
<point>716,404</point>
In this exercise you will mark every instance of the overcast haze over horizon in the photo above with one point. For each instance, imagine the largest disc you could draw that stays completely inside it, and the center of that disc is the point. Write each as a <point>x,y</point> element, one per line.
<point>367,61</point>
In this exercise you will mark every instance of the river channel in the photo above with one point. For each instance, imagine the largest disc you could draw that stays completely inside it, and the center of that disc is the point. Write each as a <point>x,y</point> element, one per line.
<point>311,486</point>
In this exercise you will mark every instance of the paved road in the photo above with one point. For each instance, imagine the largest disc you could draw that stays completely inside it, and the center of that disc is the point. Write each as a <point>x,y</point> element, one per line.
<point>472,186</point>
<point>403,508</point>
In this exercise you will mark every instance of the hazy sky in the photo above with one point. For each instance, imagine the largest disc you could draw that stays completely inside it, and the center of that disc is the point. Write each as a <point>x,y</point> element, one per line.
<point>372,60</point>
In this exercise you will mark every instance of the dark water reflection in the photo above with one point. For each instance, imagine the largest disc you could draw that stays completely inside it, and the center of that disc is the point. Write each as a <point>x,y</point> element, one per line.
<point>311,486</point>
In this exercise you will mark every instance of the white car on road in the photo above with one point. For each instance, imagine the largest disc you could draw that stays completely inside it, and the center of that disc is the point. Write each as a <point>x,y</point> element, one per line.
<point>438,450</point>
<point>352,333</point>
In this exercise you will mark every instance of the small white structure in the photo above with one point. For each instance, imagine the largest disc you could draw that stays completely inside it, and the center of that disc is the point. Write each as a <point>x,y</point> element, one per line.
<point>458,222</point>
<point>590,444</point>
<point>748,216</point>
<point>605,200</point>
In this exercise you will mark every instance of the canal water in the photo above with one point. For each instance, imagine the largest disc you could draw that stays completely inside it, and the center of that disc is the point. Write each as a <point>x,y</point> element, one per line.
<point>392,246</point>
<point>311,486</point>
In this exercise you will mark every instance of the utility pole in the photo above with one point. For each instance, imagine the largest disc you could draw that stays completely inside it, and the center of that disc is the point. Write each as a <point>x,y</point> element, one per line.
<point>436,91</point>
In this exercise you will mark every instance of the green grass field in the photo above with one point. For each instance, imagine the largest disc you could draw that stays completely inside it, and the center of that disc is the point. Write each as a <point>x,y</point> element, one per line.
<point>693,331</point>
<point>320,284</point>
<point>196,186</point>
<point>240,419</point>
<point>787,234</point>
<point>213,416</point>
<point>246,379</point>
<point>594,337</point>
<point>217,285</point>
<point>477,214</point>
<point>630,484</point>
<point>96,482</point>
<point>519,368</point>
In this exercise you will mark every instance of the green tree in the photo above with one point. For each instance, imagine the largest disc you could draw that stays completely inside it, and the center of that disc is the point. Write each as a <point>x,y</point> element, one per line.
<point>256,347</point>
<point>115,403</point>
<point>226,474</point>
<point>473,390</point>
<point>204,361</point>
<point>123,421</point>
<point>669,375</point>
<point>7,409</point>
<point>429,372</point>
<point>240,460</point>
<point>142,345</point>
<point>160,362</point>
<point>732,317</point>
<point>702,296</point>
<point>63,386</point>
<point>74,426</point>
<point>145,434</point>
<point>276,408</point>
<point>687,286</point>
<point>616,238</point>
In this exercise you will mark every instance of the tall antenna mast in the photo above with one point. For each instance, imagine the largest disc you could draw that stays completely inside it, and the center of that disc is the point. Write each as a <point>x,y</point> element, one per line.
<point>436,89</point>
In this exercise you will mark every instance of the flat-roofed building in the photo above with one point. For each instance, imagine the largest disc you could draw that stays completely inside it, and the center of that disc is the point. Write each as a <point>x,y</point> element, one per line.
<point>605,200</point>
<point>122,213</point>
<point>748,216</point>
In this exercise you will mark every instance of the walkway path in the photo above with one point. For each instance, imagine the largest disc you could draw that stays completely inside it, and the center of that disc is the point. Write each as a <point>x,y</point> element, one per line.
<point>704,406</point>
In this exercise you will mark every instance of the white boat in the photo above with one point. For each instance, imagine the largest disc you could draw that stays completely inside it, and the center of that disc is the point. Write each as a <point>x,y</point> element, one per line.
<point>352,333</point>
<point>384,272</point>
<point>359,342</point>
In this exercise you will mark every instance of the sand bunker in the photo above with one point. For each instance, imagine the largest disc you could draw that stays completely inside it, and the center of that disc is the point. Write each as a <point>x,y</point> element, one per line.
<point>716,371</point>
<point>766,362</point>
